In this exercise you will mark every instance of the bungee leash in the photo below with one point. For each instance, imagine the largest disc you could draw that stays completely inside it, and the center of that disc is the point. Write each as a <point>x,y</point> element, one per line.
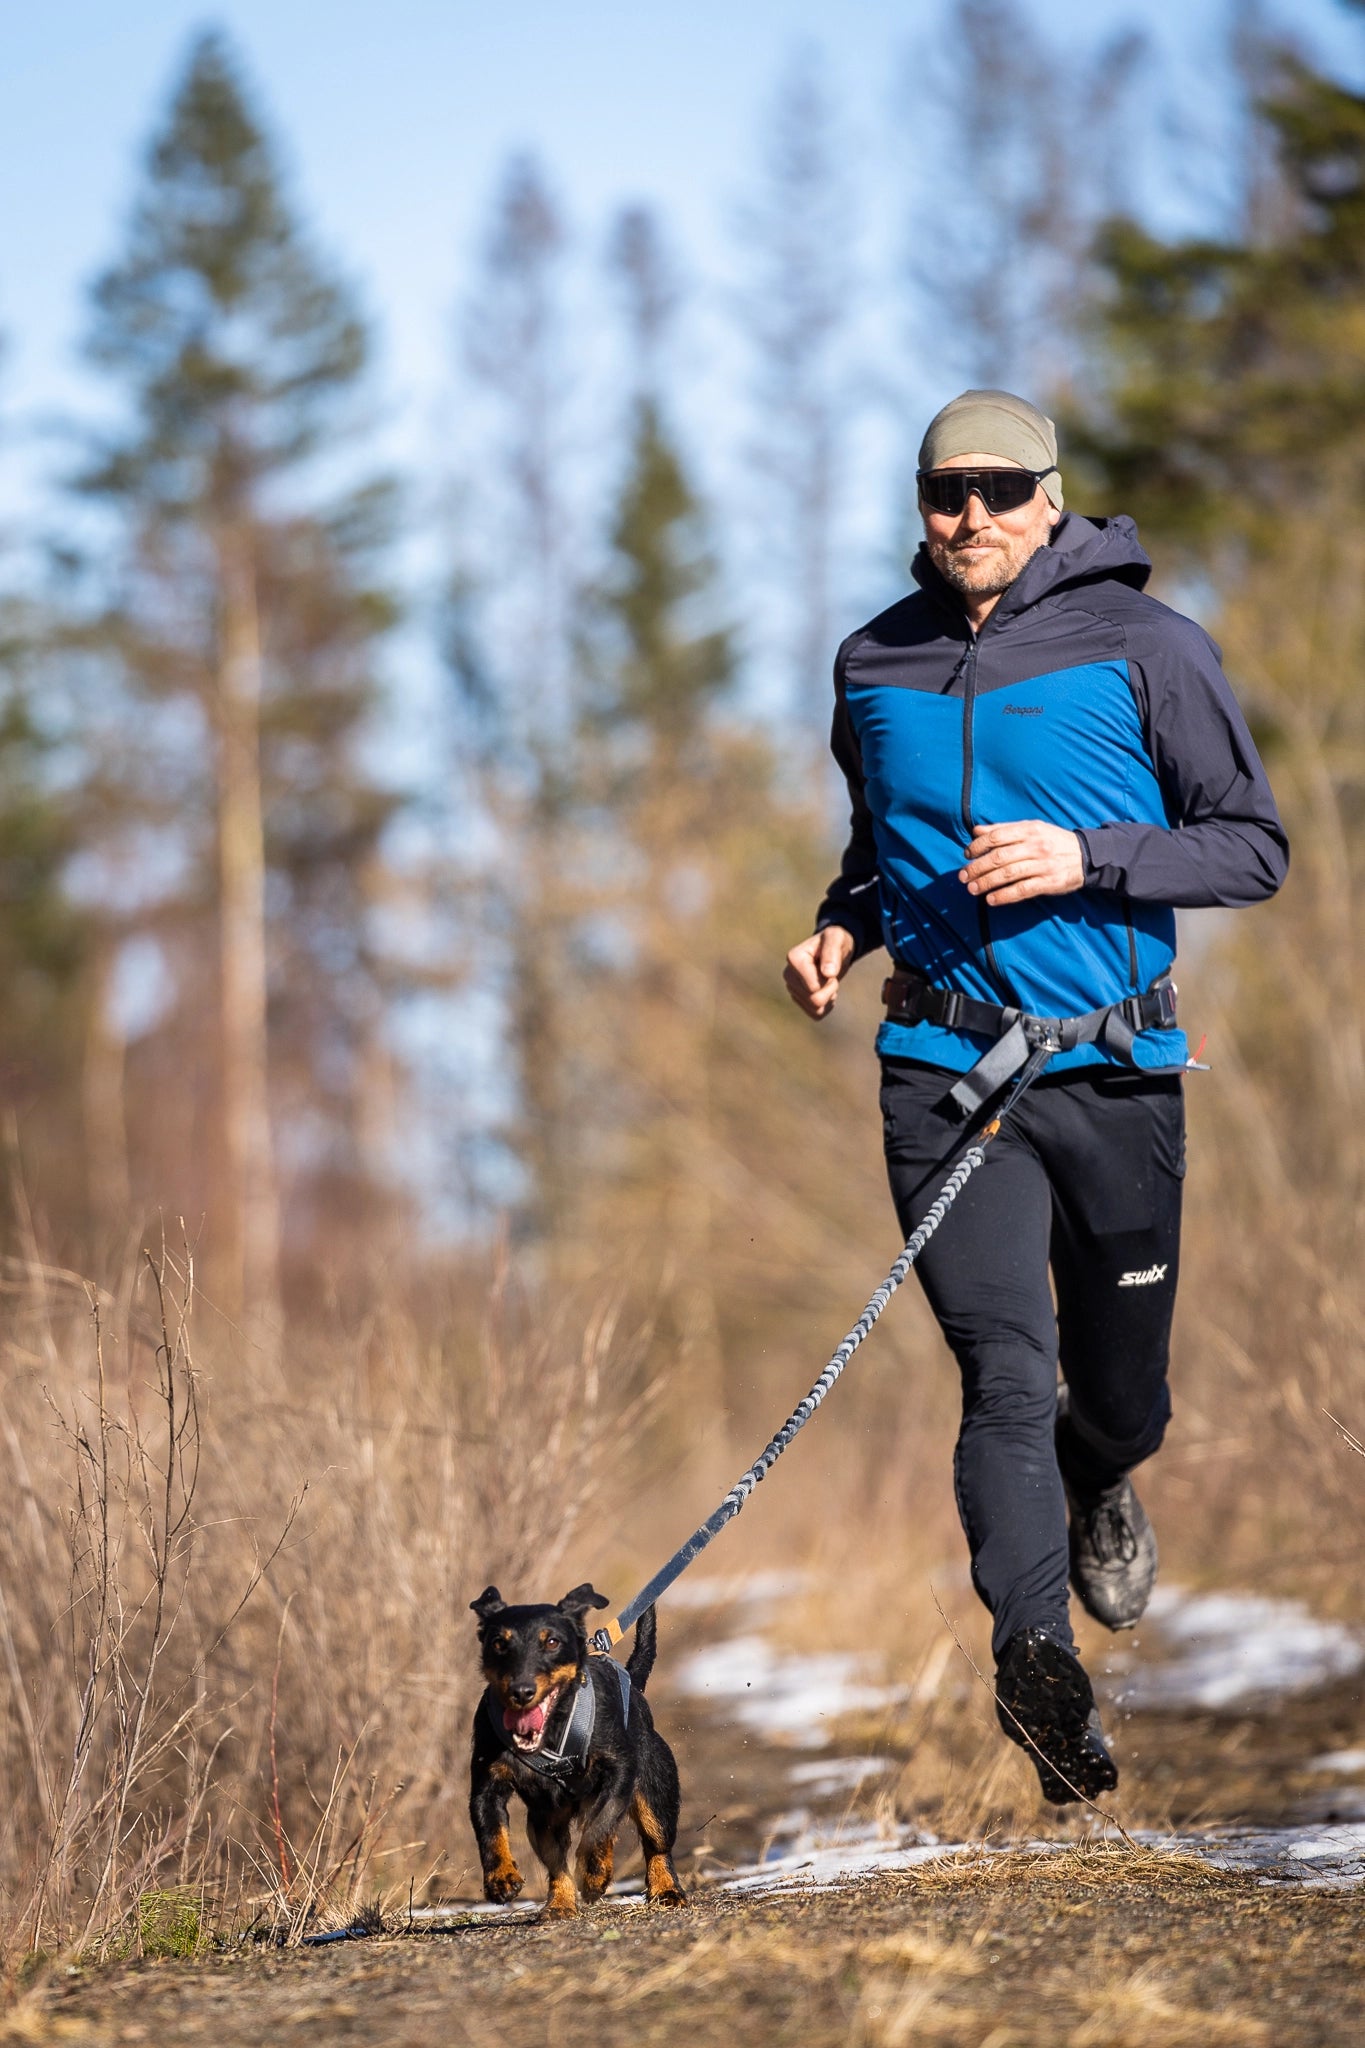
<point>1043,1044</point>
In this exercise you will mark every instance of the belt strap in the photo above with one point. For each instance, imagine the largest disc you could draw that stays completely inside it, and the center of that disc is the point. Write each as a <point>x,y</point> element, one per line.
<point>910,999</point>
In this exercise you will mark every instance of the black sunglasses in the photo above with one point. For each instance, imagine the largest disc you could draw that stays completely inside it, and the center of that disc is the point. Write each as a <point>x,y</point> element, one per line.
<point>1000,490</point>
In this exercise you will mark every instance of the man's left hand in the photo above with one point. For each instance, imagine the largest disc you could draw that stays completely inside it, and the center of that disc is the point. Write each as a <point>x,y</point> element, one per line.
<point>1010,863</point>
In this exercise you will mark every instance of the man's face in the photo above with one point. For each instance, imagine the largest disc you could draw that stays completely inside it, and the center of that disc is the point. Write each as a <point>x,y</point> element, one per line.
<point>979,552</point>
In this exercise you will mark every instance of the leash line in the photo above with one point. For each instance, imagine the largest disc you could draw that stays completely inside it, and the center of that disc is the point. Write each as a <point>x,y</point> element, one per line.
<point>971,1159</point>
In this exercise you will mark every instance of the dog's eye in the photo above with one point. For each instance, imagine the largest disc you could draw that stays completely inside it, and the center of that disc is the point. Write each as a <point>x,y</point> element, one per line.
<point>553,1643</point>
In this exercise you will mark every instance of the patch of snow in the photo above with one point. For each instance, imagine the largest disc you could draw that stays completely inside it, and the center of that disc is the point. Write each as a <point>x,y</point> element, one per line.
<point>823,1858</point>
<point>1343,1760</point>
<point>1230,1648</point>
<point>808,1855</point>
<point>817,1858</point>
<point>1347,1802</point>
<point>1327,1858</point>
<point>830,1775</point>
<point>792,1699</point>
<point>730,1589</point>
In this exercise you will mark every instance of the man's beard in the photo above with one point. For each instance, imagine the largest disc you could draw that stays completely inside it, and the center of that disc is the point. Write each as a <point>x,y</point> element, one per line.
<point>991,575</point>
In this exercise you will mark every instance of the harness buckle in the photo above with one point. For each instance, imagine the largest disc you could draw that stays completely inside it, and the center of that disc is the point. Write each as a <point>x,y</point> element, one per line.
<point>1044,1033</point>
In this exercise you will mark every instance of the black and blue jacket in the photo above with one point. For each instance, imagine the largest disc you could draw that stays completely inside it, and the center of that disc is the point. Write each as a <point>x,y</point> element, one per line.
<point>1082,702</point>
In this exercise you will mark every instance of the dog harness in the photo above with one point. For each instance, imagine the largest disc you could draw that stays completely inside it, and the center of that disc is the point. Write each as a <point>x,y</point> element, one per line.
<point>576,1740</point>
<point>910,999</point>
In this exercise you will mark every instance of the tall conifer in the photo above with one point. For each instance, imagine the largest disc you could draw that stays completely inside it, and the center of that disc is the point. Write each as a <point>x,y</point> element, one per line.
<point>244,598</point>
<point>1232,424</point>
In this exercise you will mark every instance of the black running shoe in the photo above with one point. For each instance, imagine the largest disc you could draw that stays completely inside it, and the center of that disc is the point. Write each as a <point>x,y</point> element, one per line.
<point>1043,1697</point>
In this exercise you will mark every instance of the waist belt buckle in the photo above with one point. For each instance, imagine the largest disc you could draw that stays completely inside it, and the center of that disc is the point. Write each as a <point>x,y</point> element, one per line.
<point>901,997</point>
<point>1044,1033</point>
<point>1166,995</point>
<point>952,1009</point>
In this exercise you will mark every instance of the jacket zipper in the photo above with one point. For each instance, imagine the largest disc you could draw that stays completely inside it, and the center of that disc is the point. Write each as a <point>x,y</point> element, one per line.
<point>1132,944</point>
<point>968,762</point>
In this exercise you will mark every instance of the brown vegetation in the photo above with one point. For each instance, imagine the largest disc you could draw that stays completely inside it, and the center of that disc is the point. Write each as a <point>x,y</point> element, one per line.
<point>247,1516</point>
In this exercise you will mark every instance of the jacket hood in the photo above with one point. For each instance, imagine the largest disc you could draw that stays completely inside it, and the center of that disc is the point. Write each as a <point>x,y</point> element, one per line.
<point>1081,551</point>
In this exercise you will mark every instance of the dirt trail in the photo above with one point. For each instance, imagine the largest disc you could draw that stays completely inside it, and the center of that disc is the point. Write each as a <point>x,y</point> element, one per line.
<point>1090,1946</point>
<point>1091,1951</point>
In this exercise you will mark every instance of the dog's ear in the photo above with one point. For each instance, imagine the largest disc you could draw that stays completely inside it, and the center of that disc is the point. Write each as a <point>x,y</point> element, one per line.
<point>489,1602</point>
<point>581,1599</point>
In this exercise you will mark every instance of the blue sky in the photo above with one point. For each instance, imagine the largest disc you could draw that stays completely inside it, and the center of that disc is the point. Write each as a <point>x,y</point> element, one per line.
<point>396,121</point>
<point>397,117</point>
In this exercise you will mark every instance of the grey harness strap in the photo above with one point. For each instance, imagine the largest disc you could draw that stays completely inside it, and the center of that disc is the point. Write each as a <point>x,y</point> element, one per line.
<point>622,1677</point>
<point>576,1740</point>
<point>910,999</point>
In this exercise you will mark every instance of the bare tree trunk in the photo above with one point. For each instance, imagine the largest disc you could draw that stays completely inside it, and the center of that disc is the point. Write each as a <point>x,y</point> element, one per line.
<point>798,233</point>
<point>251,1257</point>
<point>106,1136</point>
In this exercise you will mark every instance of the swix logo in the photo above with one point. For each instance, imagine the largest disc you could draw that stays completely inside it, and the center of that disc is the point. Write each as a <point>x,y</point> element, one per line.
<point>1146,1278</point>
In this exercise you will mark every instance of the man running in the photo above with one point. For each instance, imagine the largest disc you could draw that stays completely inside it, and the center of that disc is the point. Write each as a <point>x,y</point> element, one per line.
<point>1044,763</point>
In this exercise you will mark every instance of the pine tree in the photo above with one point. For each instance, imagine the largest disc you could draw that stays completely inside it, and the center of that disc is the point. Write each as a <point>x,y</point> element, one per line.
<point>1232,424</point>
<point>518,680</point>
<point>246,610</point>
<point>666,674</point>
<point>45,938</point>
<point>667,663</point>
<point>1231,421</point>
<point>1236,367</point>
<point>658,785</point>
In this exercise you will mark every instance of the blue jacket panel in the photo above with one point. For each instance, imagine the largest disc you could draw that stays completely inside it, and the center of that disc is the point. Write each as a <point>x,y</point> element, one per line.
<point>1082,702</point>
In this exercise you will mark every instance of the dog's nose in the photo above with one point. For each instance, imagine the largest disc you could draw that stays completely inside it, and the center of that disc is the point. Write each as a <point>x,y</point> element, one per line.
<point>522,1695</point>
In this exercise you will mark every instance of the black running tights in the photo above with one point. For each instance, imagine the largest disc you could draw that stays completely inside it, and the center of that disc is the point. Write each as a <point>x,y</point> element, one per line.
<point>1084,1179</point>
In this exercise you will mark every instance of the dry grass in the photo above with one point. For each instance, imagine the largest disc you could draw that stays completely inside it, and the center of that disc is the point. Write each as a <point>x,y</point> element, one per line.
<point>357,1486</point>
<point>234,1592</point>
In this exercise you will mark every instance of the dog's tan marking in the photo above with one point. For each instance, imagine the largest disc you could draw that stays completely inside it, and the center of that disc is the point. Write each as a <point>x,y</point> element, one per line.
<point>563,1899</point>
<point>594,1869</point>
<point>550,1840</point>
<point>661,1879</point>
<point>563,1674</point>
<point>501,1878</point>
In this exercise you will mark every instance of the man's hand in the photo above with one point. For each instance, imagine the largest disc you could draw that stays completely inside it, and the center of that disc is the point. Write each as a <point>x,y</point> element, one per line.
<point>1010,863</point>
<point>816,967</point>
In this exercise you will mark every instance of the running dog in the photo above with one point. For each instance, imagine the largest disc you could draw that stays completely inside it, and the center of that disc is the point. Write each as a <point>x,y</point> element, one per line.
<point>572,1734</point>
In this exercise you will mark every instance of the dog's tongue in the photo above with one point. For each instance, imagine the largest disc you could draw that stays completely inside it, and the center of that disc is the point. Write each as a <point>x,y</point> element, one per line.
<point>528,1723</point>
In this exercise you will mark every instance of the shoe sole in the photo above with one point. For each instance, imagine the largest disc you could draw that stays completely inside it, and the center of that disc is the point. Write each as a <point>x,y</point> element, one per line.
<point>1048,1702</point>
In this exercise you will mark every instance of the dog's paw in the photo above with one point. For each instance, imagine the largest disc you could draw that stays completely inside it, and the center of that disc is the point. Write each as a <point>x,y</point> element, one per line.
<point>562,1903</point>
<point>669,1895</point>
<point>502,1887</point>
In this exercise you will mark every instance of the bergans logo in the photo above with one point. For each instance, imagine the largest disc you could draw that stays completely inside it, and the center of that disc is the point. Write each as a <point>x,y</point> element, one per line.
<point>1148,1277</point>
<point>1023,711</point>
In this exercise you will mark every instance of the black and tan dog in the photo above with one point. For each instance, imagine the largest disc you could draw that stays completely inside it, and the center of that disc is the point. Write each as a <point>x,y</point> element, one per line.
<point>572,1734</point>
